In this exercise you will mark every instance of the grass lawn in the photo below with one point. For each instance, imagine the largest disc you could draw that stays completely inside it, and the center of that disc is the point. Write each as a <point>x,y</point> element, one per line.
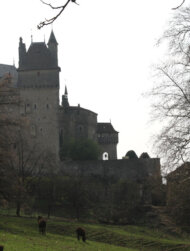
<point>21,234</point>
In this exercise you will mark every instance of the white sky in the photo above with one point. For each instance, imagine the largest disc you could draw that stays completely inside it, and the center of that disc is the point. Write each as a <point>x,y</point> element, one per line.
<point>106,49</point>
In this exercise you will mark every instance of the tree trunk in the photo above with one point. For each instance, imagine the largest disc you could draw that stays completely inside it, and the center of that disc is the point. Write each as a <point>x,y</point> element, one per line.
<point>18,208</point>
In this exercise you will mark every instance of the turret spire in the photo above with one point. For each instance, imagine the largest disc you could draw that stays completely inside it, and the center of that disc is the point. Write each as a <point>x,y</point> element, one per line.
<point>22,52</point>
<point>52,39</point>
<point>52,46</point>
<point>65,102</point>
<point>66,93</point>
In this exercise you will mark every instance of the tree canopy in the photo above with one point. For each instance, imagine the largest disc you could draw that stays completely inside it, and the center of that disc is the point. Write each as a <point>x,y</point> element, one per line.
<point>171,93</point>
<point>81,149</point>
<point>131,155</point>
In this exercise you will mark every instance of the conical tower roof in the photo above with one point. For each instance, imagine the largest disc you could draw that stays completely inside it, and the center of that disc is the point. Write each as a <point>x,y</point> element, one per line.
<point>66,92</point>
<point>65,102</point>
<point>52,39</point>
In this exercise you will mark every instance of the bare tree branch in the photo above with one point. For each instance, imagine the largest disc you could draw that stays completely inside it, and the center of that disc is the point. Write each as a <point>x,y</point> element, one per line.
<point>61,8</point>
<point>179,5</point>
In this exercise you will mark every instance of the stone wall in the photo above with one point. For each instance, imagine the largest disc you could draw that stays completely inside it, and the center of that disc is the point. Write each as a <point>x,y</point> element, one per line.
<point>38,78</point>
<point>39,106</point>
<point>132,169</point>
<point>77,122</point>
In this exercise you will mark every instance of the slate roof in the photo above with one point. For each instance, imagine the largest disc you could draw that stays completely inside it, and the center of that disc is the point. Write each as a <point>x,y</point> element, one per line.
<point>105,128</point>
<point>39,57</point>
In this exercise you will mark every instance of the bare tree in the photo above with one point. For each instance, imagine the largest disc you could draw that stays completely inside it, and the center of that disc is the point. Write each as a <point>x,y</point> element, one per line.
<point>9,101</point>
<point>177,33</point>
<point>59,10</point>
<point>18,159</point>
<point>26,163</point>
<point>171,93</point>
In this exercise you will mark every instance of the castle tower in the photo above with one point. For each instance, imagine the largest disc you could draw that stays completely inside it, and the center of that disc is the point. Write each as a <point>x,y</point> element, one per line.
<point>107,138</point>
<point>38,82</point>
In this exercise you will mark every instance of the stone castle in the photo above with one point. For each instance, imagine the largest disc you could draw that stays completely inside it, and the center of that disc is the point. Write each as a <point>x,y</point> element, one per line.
<point>50,123</point>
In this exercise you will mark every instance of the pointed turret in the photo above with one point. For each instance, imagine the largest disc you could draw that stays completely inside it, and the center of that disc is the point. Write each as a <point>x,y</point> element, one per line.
<point>52,45</point>
<point>52,39</point>
<point>22,52</point>
<point>65,102</point>
<point>66,93</point>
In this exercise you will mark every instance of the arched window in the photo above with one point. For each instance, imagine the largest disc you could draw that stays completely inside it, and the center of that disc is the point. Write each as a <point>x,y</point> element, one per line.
<point>105,156</point>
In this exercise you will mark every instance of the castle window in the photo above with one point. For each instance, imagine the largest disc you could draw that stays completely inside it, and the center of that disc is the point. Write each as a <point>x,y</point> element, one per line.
<point>47,106</point>
<point>27,106</point>
<point>33,130</point>
<point>38,73</point>
<point>80,129</point>
<point>35,106</point>
<point>105,156</point>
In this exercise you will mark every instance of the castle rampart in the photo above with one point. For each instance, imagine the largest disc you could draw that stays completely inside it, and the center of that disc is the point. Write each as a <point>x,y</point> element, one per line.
<point>131,169</point>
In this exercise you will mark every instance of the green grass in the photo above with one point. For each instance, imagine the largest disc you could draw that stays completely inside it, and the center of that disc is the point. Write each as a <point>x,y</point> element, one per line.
<point>21,234</point>
<point>52,242</point>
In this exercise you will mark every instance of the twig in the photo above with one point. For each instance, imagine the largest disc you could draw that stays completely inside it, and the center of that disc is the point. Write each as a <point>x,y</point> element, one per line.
<point>179,5</point>
<point>51,20</point>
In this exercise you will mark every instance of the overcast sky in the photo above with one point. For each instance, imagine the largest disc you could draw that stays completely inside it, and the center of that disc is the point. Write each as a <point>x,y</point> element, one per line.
<point>106,49</point>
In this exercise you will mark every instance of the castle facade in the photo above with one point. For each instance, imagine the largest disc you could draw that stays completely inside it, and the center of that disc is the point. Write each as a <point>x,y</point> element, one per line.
<point>31,94</point>
<point>50,123</point>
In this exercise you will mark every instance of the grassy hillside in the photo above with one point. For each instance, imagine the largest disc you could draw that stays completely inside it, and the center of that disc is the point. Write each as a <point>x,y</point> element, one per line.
<point>18,234</point>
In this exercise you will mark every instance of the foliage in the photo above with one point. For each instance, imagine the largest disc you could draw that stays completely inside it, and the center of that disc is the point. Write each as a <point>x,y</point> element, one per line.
<point>158,191</point>
<point>47,194</point>
<point>131,155</point>
<point>81,197</point>
<point>127,202</point>
<point>81,149</point>
<point>178,199</point>
<point>144,155</point>
<point>77,197</point>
